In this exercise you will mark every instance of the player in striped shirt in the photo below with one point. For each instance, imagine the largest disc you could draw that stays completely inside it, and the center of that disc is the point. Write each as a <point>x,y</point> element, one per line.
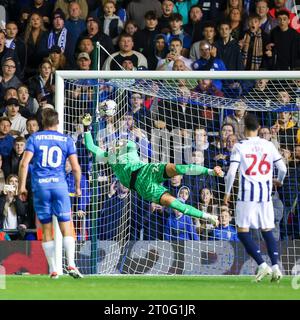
<point>255,158</point>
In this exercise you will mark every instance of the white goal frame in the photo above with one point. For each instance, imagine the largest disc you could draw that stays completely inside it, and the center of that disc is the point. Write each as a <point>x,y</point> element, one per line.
<point>62,75</point>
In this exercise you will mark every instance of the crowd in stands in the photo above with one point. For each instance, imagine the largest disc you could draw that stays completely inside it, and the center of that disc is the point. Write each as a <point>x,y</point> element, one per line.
<point>38,37</point>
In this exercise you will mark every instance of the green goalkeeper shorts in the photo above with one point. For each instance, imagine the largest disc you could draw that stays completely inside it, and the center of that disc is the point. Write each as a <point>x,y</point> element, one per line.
<point>148,182</point>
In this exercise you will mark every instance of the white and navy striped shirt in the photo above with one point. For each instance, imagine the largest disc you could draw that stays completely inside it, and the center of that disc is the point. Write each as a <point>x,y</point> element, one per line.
<point>256,158</point>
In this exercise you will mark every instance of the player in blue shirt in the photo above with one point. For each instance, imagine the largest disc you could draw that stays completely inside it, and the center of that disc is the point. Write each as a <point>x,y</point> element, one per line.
<point>48,151</point>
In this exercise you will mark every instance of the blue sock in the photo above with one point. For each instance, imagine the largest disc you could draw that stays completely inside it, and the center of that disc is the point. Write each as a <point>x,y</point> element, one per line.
<point>271,245</point>
<point>251,247</point>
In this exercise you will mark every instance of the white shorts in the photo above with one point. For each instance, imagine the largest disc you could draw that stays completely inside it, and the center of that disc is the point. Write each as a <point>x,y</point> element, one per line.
<point>255,215</point>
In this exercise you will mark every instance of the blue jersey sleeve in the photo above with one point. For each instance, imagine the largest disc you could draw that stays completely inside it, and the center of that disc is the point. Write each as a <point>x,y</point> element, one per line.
<point>30,144</point>
<point>71,147</point>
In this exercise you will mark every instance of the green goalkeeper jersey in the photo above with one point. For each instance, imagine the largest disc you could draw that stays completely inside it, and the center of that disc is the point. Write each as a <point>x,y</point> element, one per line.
<point>123,159</point>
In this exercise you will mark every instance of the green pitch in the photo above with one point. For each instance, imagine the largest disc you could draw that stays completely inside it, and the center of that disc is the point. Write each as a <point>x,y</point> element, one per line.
<point>146,288</point>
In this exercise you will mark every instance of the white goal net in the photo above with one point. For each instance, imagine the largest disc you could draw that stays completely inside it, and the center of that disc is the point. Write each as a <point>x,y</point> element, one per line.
<point>182,118</point>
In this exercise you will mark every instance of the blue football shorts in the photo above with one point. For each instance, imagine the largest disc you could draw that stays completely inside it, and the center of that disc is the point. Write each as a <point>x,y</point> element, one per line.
<point>49,202</point>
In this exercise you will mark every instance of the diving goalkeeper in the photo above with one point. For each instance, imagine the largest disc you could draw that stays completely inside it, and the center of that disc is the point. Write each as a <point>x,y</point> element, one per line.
<point>146,178</point>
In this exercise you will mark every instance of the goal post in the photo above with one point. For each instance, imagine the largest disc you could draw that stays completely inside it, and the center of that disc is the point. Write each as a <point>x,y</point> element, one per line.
<point>118,223</point>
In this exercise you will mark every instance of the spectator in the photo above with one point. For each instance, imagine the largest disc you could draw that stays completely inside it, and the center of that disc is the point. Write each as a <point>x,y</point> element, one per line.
<point>147,36</point>
<point>201,145</point>
<point>179,65</point>
<point>136,10</point>
<point>228,49</point>
<point>28,105</point>
<point>175,184</point>
<point>178,33</point>
<point>6,53</point>
<point>13,215</point>
<point>284,44</point>
<point>209,118</point>
<point>126,51</point>
<point>43,8</point>
<point>160,51</point>
<point>174,54</point>
<point>74,24</point>
<point>183,7</point>
<point>131,27</point>
<point>211,9</point>
<point>12,161</point>
<point>195,25</point>
<point>63,5</point>
<point>280,5</point>
<point>127,64</point>
<point>267,23</point>
<point>261,92</point>
<point>9,78</point>
<point>167,7</point>
<point>94,33</point>
<point>223,158</point>
<point>209,34</point>
<point>35,38</point>
<point>32,126</point>
<point>18,123</point>
<point>253,45</point>
<point>237,118</point>
<point>120,5</point>
<point>207,205</point>
<point>111,24</point>
<point>83,61</point>
<point>116,188</point>
<point>6,139</point>
<point>288,132</point>
<point>233,4</point>
<point>265,133</point>
<point>43,84</point>
<point>2,177</point>
<point>217,146</point>
<point>208,62</point>
<point>179,226</point>
<point>59,36</point>
<point>236,24</point>
<point>154,223</point>
<point>225,231</point>
<point>297,155</point>
<point>57,59</point>
<point>141,115</point>
<point>14,42</point>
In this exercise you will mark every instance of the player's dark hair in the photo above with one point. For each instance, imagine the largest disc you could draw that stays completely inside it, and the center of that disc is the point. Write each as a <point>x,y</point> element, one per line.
<point>49,118</point>
<point>251,122</point>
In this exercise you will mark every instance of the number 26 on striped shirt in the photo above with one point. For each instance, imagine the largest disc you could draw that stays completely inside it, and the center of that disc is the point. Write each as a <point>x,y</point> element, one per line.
<point>263,168</point>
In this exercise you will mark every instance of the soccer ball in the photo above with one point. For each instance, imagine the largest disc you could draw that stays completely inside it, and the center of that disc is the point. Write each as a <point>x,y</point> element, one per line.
<point>107,108</point>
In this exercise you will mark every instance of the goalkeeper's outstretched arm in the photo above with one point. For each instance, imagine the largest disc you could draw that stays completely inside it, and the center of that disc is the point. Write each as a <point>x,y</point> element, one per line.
<point>89,142</point>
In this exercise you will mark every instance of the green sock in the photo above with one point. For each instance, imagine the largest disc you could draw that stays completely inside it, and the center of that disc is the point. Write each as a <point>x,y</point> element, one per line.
<point>186,209</point>
<point>191,169</point>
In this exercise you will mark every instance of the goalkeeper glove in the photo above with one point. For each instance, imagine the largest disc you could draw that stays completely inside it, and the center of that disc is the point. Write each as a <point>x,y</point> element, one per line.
<point>211,219</point>
<point>86,121</point>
